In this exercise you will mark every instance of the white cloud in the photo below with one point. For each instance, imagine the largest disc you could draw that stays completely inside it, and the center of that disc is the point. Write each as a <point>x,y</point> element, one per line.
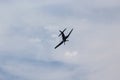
<point>34,40</point>
<point>67,57</point>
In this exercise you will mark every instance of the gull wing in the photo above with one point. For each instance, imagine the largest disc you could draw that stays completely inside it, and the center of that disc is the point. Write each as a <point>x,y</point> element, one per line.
<point>59,44</point>
<point>69,33</point>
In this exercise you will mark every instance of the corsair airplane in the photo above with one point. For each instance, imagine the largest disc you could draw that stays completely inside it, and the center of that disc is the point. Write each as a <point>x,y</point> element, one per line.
<point>64,37</point>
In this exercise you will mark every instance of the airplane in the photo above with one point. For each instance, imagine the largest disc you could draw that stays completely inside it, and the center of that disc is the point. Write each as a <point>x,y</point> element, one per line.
<point>64,38</point>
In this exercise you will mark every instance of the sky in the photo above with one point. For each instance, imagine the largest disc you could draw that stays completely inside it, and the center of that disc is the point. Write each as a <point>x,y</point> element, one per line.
<point>29,32</point>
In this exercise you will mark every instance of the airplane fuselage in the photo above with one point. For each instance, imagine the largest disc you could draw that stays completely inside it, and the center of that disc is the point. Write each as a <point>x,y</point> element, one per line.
<point>64,38</point>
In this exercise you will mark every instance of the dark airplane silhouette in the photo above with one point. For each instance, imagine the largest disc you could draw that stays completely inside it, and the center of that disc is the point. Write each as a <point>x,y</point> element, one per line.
<point>64,38</point>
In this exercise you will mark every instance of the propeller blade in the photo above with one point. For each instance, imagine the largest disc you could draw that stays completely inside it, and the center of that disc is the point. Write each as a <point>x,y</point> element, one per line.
<point>61,32</point>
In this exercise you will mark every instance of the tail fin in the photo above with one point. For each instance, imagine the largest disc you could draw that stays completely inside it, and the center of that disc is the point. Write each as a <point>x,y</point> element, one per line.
<point>65,41</point>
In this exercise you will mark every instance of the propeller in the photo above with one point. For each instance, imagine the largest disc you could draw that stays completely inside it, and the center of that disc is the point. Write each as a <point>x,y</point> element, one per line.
<point>61,32</point>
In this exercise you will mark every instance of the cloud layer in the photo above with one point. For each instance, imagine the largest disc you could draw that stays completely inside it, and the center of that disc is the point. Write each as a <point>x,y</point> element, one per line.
<point>28,35</point>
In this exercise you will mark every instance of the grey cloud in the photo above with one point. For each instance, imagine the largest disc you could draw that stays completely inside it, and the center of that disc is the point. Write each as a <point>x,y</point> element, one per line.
<point>60,11</point>
<point>51,69</point>
<point>27,46</point>
<point>76,10</point>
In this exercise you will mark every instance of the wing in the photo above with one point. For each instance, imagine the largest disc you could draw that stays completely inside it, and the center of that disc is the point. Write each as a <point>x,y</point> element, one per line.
<point>59,44</point>
<point>69,33</point>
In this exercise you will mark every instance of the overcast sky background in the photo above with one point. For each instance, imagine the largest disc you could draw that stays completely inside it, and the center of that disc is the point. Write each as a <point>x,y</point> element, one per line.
<point>29,32</point>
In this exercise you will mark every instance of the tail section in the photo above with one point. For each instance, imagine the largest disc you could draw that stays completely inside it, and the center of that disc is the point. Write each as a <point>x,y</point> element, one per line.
<point>65,41</point>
